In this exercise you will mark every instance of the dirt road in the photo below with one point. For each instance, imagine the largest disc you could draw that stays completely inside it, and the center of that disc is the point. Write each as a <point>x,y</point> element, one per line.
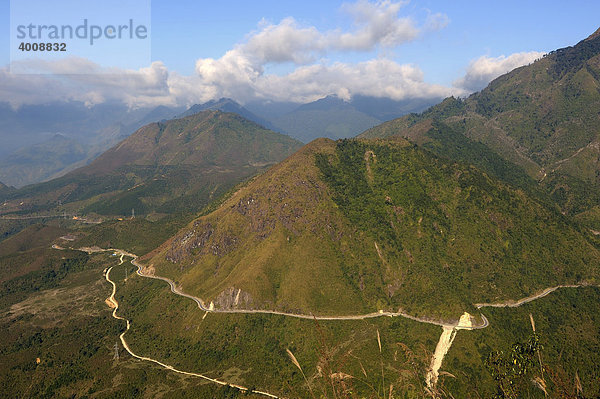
<point>115,306</point>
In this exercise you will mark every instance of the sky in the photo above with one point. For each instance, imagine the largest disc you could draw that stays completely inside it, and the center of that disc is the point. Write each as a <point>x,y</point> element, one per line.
<point>301,51</point>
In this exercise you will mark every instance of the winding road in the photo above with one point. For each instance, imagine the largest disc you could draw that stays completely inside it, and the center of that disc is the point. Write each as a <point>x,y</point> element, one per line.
<point>523,301</point>
<point>201,304</point>
<point>166,366</point>
<point>446,339</point>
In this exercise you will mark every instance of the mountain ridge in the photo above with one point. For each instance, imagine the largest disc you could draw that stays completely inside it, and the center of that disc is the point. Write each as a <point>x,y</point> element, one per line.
<point>225,104</point>
<point>360,226</point>
<point>537,117</point>
<point>33,154</point>
<point>171,162</point>
<point>330,117</point>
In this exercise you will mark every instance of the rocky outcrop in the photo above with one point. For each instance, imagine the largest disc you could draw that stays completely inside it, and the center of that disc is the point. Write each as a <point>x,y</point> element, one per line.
<point>233,298</point>
<point>203,239</point>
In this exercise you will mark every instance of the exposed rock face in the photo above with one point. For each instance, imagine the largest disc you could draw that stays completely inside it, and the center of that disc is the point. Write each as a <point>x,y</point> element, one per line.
<point>233,298</point>
<point>259,218</point>
<point>202,239</point>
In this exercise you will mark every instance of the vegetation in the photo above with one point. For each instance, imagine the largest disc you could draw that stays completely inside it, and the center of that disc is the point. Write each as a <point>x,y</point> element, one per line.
<point>512,372</point>
<point>138,236</point>
<point>428,227</point>
<point>537,117</point>
<point>178,166</point>
<point>426,215</point>
<point>566,326</point>
<point>253,349</point>
<point>66,324</point>
<point>60,342</point>
<point>357,226</point>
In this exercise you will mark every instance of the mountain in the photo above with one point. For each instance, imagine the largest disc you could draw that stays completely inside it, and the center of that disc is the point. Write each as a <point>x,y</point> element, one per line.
<point>157,114</point>
<point>385,109</point>
<point>173,166</point>
<point>4,189</point>
<point>542,117</point>
<point>270,110</point>
<point>40,161</point>
<point>31,124</point>
<point>227,105</point>
<point>357,226</point>
<point>47,141</point>
<point>329,117</point>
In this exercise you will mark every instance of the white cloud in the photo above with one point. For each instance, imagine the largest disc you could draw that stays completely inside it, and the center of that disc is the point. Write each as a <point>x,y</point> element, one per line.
<point>146,86</point>
<point>240,72</point>
<point>235,76</point>
<point>375,24</point>
<point>378,24</point>
<point>379,77</point>
<point>284,42</point>
<point>437,21</point>
<point>485,69</point>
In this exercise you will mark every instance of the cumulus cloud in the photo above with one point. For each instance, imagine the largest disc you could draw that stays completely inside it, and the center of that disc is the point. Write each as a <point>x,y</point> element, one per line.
<point>485,69</point>
<point>284,42</point>
<point>155,85</point>
<point>377,24</point>
<point>378,77</point>
<point>146,86</point>
<point>241,72</point>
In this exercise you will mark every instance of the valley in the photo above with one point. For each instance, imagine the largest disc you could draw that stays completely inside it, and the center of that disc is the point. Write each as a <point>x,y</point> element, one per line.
<point>345,246</point>
<point>443,346</point>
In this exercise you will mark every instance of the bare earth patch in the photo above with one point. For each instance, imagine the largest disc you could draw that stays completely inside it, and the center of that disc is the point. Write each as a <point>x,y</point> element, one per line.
<point>52,307</point>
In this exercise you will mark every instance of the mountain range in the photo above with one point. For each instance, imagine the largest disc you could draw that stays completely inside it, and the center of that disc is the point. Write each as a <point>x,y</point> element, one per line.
<point>4,188</point>
<point>176,165</point>
<point>329,117</point>
<point>540,117</point>
<point>487,205</point>
<point>40,146</point>
<point>46,141</point>
<point>356,227</point>
<point>227,105</point>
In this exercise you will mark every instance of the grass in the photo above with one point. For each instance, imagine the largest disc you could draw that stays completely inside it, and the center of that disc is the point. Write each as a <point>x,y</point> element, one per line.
<point>320,233</point>
<point>71,330</point>
<point>172,329</point>
<point>539,117</point>
<point>69,327</point>
<point>566,322</point>
<point>449,233</point>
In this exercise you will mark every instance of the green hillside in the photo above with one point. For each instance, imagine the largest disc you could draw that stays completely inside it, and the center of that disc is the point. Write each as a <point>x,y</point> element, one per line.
<point>360,226</point>
<point>175,166</point>
<point>541,117</point>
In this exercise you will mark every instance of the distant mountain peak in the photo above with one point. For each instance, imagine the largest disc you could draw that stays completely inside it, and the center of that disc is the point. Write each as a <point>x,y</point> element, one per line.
<point>222,101</point>
<point>328,102</point>
<point>225,104</point>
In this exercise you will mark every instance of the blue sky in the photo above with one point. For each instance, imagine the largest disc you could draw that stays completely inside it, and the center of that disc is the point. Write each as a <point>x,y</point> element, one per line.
<point>202,50</point>
<point>476,28</point>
